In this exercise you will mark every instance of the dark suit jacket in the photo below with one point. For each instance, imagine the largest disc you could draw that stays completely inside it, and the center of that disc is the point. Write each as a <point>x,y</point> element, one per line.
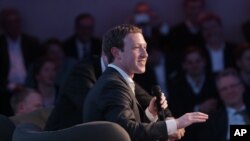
<point>111,99</point>
<point>69,107</point>
<point>181,94</point>
<point>30,50</point>
<point>180,37</point>
<point>217,125</point>
<point>229,56</point>
<point>71,50</point>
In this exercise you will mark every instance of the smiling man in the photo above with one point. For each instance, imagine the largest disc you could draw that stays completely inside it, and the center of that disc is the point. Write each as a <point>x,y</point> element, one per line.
<point>113,98</point>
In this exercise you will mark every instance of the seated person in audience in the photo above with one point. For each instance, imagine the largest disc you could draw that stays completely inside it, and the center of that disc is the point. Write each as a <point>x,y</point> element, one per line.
<point>83,44</point>
<point>25,100</point>
<point>54,51</point>
<point>243,65</point>
<point>219,52</point>
<point>193,89</point>
<point>43,74</point>
<point>17,50</point>
<point>188,31</point>
<point>234,110</point>
<point>28,107</point>
<point>144,17</point>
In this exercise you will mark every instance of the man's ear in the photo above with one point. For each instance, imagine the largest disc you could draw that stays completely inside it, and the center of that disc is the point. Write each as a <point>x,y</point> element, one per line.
<point>115,52</point>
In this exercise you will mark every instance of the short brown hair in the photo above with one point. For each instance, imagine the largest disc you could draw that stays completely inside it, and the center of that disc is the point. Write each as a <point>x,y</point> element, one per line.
<point>227,72</point>
<point>209,16</point>
<point>114,38</point>
<point>19,95</point>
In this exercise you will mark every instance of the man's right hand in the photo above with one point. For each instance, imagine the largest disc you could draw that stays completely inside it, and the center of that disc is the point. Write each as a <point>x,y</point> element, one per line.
<point>190,118</point>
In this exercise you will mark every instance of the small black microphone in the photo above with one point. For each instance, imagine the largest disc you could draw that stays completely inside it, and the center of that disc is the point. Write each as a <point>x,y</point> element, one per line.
<point>156,91</point>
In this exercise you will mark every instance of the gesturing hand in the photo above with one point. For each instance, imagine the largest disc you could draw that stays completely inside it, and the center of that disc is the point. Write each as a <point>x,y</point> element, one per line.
<point>190,118</point>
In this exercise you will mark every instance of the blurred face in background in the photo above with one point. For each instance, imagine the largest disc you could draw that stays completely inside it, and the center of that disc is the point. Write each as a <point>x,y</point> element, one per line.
<point>11,23</point>
<point>230,90</point>
<point>55,52</point>
<point>31,103</point>
<point>85,29</point>
<point>212,31</point>
<point>47,73</point>
<point>193,9</point>
<point>194,64</point>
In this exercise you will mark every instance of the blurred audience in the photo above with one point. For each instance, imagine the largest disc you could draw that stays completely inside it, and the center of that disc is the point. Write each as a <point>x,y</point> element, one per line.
<point>43,74</point>
<point>17,49</point>
<point>64,64</point>
<point>218,51</point>
<point>28,107</point>
<point>145,18</point>
<point>243,64</point>
<point>25,100</point>
<point>193,90</point>
<point>233,112</point>
<point>83,44</point>
<point>188,31</point>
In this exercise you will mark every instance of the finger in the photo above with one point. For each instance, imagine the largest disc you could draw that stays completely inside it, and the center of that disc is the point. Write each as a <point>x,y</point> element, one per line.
<point>164,105</point>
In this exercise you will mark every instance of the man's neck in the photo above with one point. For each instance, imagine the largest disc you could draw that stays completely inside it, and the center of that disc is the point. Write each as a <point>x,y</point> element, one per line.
<point>131,75</point>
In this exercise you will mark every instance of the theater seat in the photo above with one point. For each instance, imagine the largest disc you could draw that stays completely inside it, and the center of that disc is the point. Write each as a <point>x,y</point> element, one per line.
<point>7,128</point>
<point>92,131</point>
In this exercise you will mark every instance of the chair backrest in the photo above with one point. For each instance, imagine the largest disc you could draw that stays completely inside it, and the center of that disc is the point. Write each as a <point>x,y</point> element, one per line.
<point>7,128</point>
<point>92,131</point>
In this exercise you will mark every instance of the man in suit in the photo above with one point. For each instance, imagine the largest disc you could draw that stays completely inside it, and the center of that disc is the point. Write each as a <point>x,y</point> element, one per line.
<point>68,109</point>
<point>187,32</point>
<point>83,44</point>
<point>233,111</point>
<point>112,98</point>
<point>17,53</point>
<point>193,88</point>
<point>219,53</point>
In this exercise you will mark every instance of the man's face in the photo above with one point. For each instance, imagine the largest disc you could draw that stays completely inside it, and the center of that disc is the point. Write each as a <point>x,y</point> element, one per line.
<point>134,57</point>
<point>32,102</point>
<point>212,31</point>
<point>47,74</point>
<point>12,24</point>
<point>194,64</point>
<point>244,62</point>
<point>85,29</point>
<point>230,90</point>
<point>193,10</point>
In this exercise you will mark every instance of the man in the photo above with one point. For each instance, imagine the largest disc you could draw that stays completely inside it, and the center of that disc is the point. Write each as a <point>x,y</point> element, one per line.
<point>194,88</point>
<point>28,107</point>
<point>187,32</point>
<point>233,111</point>
<point>83,44</point>
<point>17,50</point>
<point>68,110</point>
<point>112,98</point>
<point>219,52</point>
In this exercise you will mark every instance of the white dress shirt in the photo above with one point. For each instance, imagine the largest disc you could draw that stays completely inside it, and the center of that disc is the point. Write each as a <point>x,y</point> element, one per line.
<point>217,58</point>
<point>234,118</point>
<point>17,71</point>
<point>170,123</point>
